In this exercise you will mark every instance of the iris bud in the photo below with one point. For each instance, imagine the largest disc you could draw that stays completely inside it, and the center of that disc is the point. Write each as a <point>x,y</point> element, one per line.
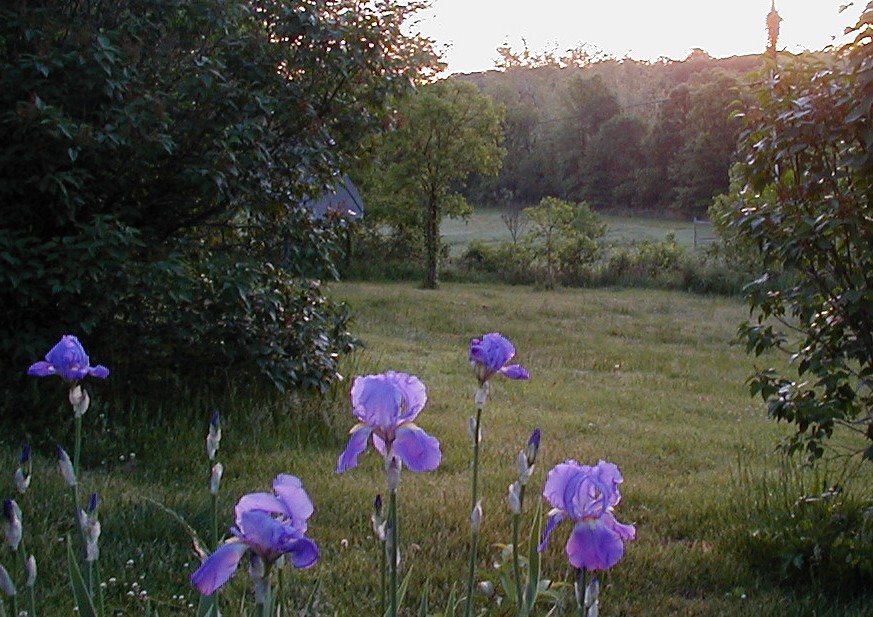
<point>215,478</point>
<point>533,446</point>
<point>213,438</point>
<point>65,465</point>
<point>377,519</point>
<point>30,569</point>
<point>6,584</point>
<point>476,517</point>
<point>392,471</point>
<point>22,480</point>
<point>513,499</point>
<point>12,527</point>
<point>80,400</point>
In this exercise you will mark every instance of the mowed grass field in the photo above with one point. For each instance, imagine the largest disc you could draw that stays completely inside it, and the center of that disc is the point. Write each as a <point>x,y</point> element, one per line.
<point>485,225</point>
<point>649,380</point>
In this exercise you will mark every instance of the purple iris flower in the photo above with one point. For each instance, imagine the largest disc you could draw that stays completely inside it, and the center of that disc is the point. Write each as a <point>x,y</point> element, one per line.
<point>386,406</point>
<point>491,354</point>
<point>268,524</point>
<point>587,495</point>
<point>69,360</point>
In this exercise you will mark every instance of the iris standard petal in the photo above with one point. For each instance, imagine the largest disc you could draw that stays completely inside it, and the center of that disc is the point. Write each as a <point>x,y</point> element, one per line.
<point>303,553</point>
<point>298,505</point>
<point>557,482</point>
<point>413,393</point>
<point>357,444</point>
<point>593,546</point>
<point>420,451</point>
<point>218,567</point>
<point>555,517</point>
<point>264,502</point>
<point>515,371</point>
<point>493,350</point>
<point>610,476</point>
<point>376,401</point>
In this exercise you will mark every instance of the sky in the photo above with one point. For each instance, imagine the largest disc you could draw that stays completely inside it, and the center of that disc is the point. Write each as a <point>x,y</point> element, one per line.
<point>641,29</point>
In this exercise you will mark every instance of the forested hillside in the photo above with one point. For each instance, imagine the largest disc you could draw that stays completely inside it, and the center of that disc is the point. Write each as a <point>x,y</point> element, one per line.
<point>619,134</point>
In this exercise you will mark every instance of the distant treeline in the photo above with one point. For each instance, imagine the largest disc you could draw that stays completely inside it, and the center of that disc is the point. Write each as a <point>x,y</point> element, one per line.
<point>619,134</point>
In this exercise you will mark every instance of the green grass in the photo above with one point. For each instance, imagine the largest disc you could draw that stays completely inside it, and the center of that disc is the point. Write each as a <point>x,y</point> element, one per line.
<point>486,226</point>
<point>649,380</point>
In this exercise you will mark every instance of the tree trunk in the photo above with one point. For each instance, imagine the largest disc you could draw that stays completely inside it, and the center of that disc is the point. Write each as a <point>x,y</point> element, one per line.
<point>432,244</point>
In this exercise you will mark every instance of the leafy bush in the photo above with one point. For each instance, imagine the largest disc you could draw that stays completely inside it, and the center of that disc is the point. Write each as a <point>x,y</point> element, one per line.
<point>563,239</point>
<point>802,200</point>
<point>152,165</point>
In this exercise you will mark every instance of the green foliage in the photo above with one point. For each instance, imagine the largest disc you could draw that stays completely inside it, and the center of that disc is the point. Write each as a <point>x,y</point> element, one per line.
<point>616,133</point>
<point>154,157</point>
<point>807,526</point>
<point>804,201</point>
<point>611,161</point>
<point>563,238</point>
<point>445,131</point>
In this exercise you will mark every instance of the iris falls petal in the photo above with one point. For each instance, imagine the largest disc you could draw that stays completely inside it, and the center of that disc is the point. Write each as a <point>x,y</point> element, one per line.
<point>420,451</point>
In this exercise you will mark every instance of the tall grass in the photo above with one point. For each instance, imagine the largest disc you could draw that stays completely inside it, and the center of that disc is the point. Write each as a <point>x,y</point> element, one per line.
<point>650,380</point>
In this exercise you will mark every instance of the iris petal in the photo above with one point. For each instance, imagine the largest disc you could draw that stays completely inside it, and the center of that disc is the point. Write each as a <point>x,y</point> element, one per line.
<point>555,489</point>
<point>298,505</point>
<point>303,552</point>
<point>41,369</point>
<point>625,532</point>
<point>515,371</point>
<point>218,567</point>
<point>420,451</point>
<point>593,546</point>
<point>99,371</point>
<point>554,519</point>
<point>357,444</point>
<point>264,502</point>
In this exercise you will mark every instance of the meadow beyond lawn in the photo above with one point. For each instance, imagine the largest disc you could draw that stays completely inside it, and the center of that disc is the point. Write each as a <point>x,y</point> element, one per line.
<point>648,380</point>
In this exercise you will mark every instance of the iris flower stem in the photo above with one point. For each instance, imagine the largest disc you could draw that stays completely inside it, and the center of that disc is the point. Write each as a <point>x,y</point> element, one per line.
<point>215,538</point>
<point>516,568</point>
<point>98,579</point>
<point>280,586</point>
<point>78,448</point>
<point>384,581</point>
<point>15,605</point>
<point>392,530</point>
<point>474,533</point>
<point>264,604</point>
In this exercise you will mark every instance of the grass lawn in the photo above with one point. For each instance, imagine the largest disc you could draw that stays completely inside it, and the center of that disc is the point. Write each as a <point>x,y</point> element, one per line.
<point>485,225</point>
<point>648,380</point>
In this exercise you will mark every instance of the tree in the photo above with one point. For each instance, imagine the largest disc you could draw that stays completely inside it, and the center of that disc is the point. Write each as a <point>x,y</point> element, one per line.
<point>589,104</point>
<point>661,147</point>
<point>611,161</point>
<point>804,200</point>
<point>445,131</point>
<point>563,237</point>
<point>701,167</point>
<point>153,157</point>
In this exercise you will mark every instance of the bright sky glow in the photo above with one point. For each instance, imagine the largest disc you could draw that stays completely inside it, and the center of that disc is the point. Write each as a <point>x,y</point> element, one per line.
<point>641,29</point>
